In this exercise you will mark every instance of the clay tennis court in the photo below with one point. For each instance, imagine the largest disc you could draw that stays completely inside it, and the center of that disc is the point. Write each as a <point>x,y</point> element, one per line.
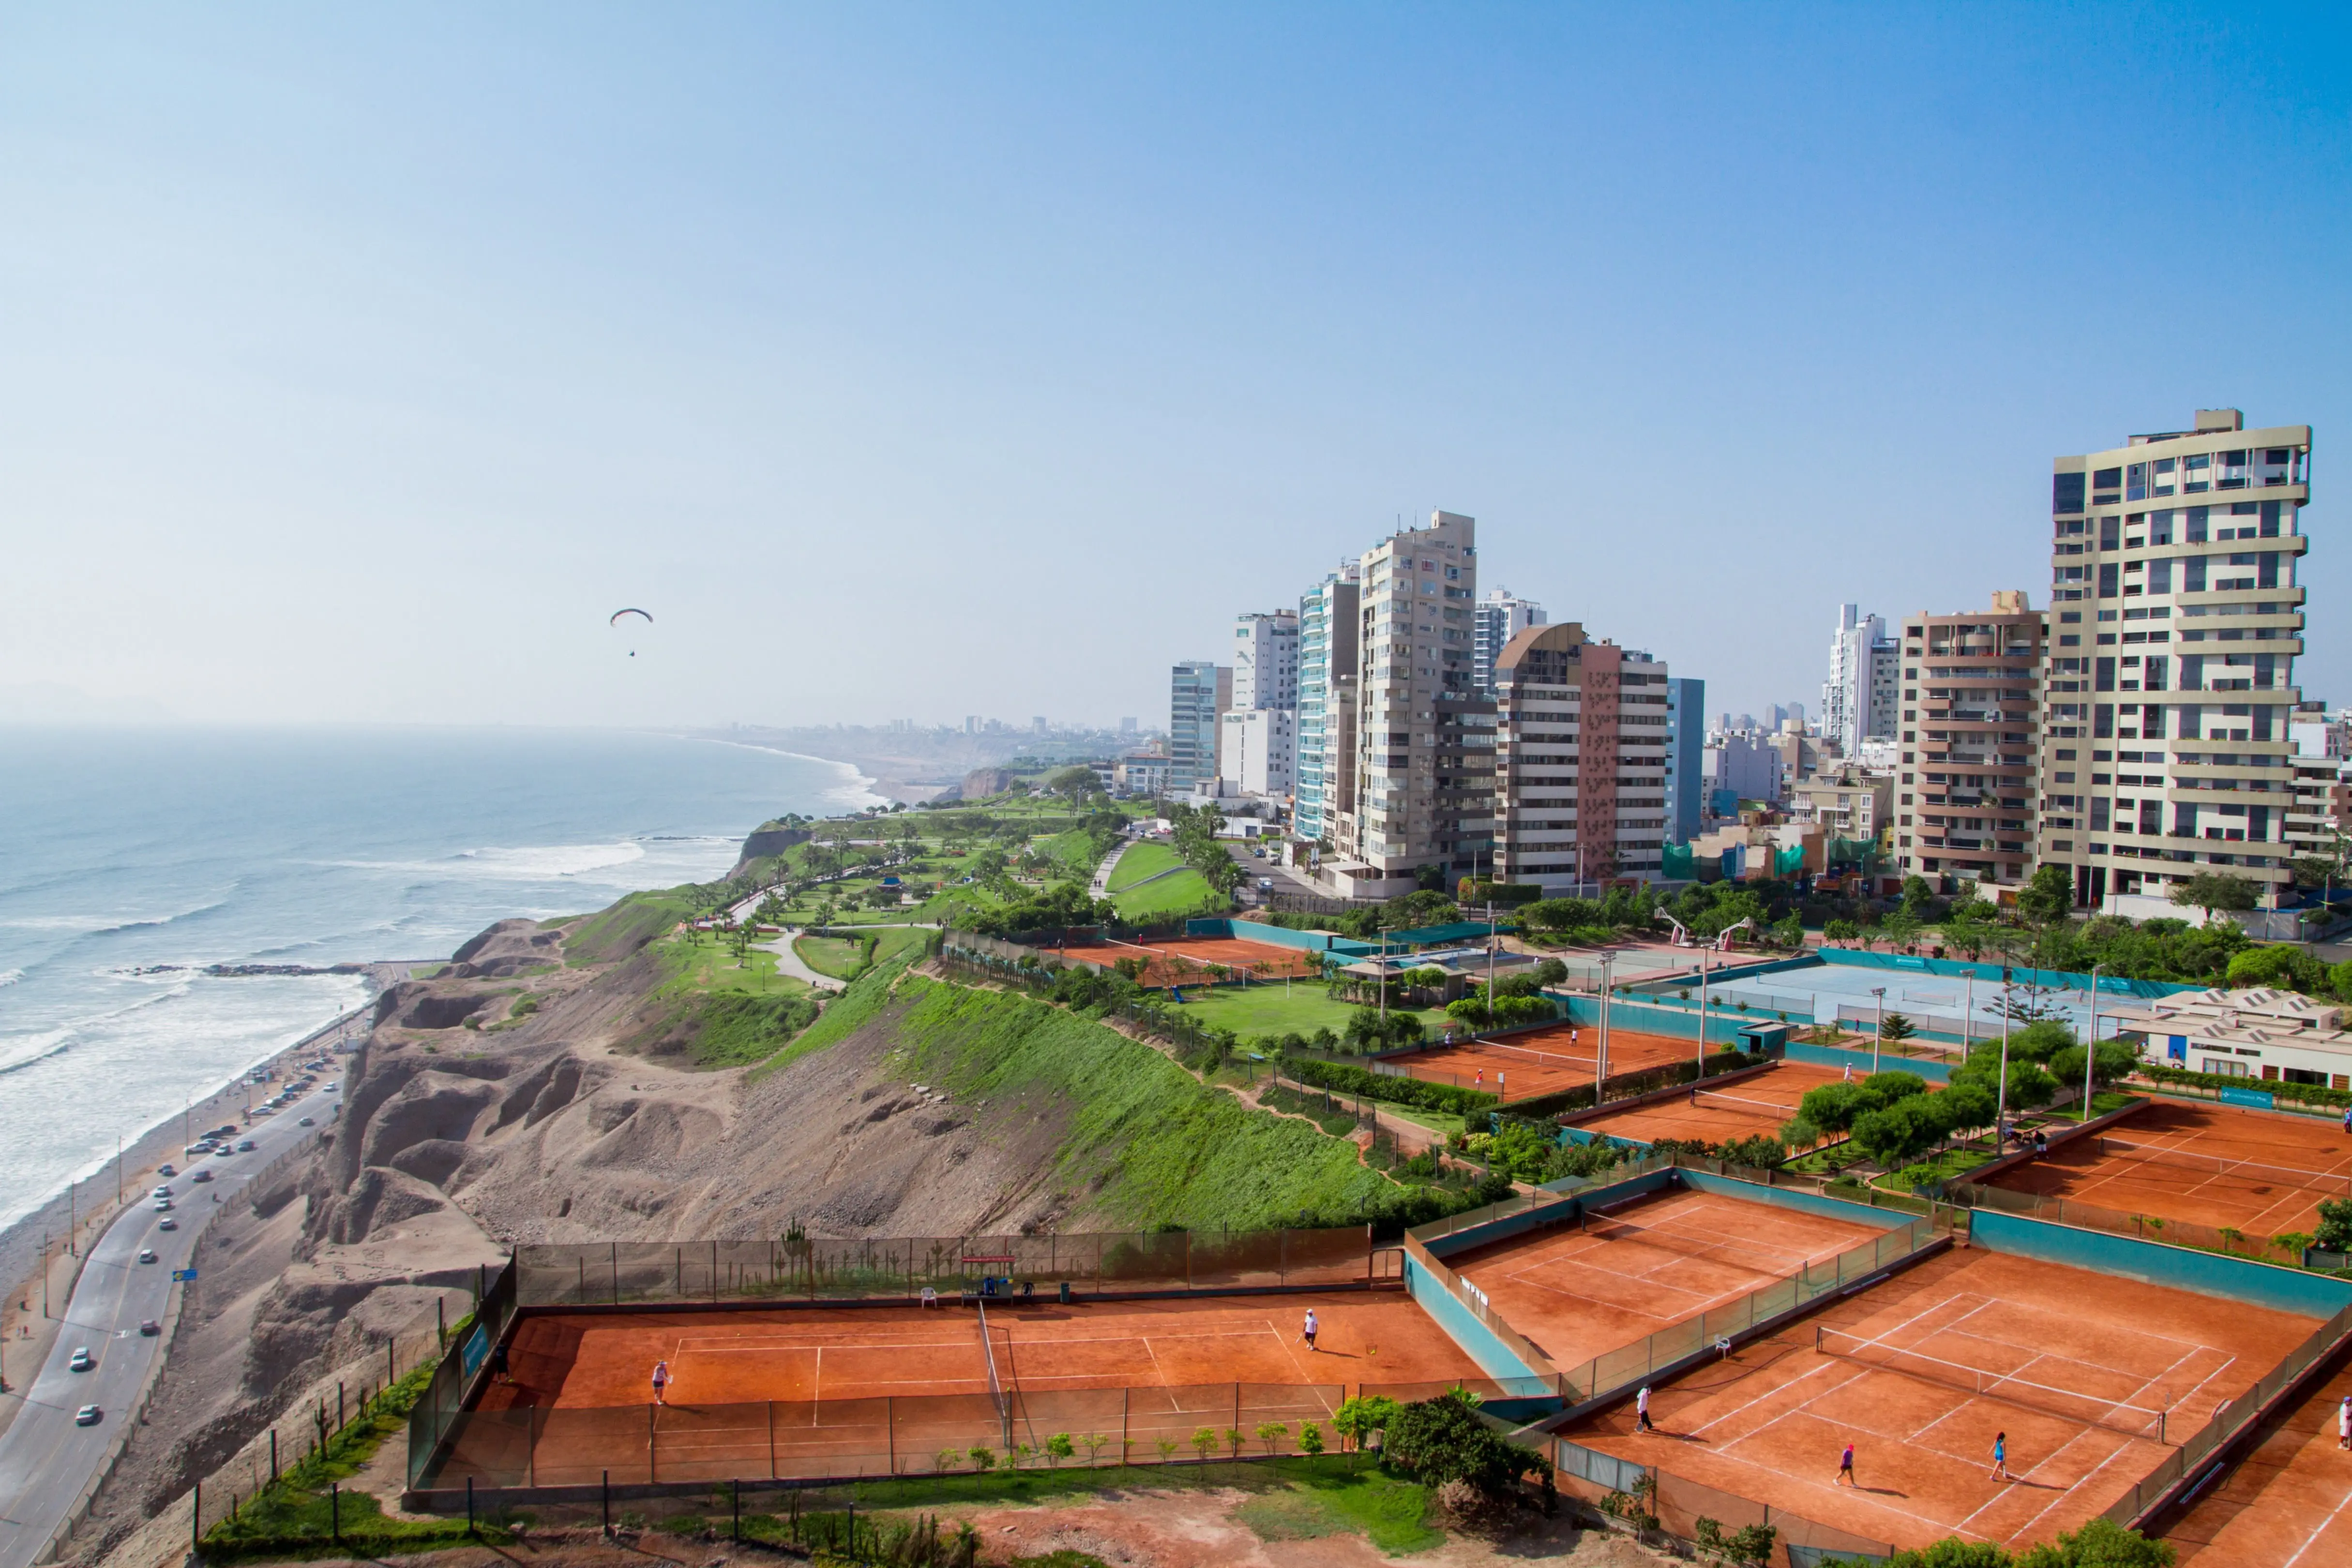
<point>1581,1292</point>
<point>2272,1508</point>
<point>2255,1171</point>
<point>1923,1370</point>
<point>1751,1108</point>
<point>607,1358</point>
<point>848,1392</point>
<point>1185,960</point>
<point>1541,1061</point>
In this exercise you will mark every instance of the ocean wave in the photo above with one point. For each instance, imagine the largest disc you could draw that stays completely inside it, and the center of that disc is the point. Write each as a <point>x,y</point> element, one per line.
<point>100,925</point>
<point>535,863</point>
<point>26,1050</point>
<point>10,976</point>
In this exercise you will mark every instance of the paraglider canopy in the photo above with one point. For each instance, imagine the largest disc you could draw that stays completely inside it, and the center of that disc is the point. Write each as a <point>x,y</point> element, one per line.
<point>618,615</point>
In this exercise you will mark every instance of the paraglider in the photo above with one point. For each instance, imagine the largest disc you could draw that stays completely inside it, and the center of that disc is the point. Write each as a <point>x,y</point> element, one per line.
<point>639,613</point>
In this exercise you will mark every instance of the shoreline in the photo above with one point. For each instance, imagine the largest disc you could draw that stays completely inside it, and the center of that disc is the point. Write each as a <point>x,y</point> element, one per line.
<point>24,1252</point>
<point>864,782</point>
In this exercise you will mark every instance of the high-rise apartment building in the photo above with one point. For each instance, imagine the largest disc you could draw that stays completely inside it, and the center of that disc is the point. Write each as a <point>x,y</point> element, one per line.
<point>1326,651</point>
<point>1500,616</point>
<point>1858,699</point>
<point>1424,737</point>
<point>2176,625</point>
<point>1265,660</point>
<point>1192,724</point>
<point>1965,797</point>
<point>1580,759</point>
<point>1686,758</point>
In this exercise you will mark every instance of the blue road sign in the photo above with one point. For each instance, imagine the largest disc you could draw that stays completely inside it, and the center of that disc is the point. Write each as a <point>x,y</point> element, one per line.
<point>184,1274</point>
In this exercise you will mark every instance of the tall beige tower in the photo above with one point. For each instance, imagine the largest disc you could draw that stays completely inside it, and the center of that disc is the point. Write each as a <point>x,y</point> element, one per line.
<point>1423,790</point>
<point>1966,799</point>
<point>2176,623</point>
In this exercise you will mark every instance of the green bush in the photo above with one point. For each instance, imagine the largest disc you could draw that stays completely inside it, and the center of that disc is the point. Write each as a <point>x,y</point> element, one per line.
<point>1349,1078</point>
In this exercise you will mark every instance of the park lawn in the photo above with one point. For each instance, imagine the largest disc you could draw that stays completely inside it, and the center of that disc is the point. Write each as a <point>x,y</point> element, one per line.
<point>836,956</point>
<point>1073,853</point>
<point>1186,891</point>
<point>704,961</point>
<point>1142,860</point>
<point>1271,1007</point>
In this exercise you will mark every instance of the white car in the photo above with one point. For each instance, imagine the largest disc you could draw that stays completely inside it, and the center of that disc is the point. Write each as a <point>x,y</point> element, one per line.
<point>167,1223</point>
<point>82,1361</point>
<point>163,1205</point>
<point>162,1192</point>
<point>146,1255</point>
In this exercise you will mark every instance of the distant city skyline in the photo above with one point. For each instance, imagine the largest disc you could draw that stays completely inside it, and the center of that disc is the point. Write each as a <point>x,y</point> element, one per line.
<point>923,364</point>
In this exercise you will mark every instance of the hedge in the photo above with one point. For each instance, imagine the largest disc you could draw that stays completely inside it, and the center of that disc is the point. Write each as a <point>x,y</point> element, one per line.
<point>1412,1092</point>
<point>2309,1093</point>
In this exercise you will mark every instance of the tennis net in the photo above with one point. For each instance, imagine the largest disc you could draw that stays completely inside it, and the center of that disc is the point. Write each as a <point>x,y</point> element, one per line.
<point>1779,1114</point>
<point>2067,1403</point>
<point>1529,1054</point>
<point>995,1387</point>
<point>1773,1261</point>
<point>2215,1165</point>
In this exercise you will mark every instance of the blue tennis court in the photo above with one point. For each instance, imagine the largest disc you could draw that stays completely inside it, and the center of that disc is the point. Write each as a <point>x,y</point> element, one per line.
<point>1936,1004</point>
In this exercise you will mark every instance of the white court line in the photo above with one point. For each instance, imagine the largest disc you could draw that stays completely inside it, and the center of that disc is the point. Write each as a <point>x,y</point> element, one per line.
<point>715,1346</point>
<point>2315,1535</point>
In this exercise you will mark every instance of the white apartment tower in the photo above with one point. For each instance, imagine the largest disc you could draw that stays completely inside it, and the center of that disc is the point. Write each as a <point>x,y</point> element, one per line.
<point>1258,746</point>
<point>1501,616</point>
<point>2176,623</point>
<point>1421,794</point>
<point>1858,699</point>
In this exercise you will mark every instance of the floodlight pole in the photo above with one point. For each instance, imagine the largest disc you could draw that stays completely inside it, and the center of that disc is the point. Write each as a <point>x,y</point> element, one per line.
<point>1600,1063</point>
<point>1490,963</point>
<point>2091,1043</point>
<point>1701,1012</point>
<point>2000,1105</point>
<point>1878,1026</point>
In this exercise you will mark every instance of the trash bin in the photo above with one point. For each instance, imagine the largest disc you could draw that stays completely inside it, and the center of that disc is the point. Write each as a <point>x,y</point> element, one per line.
<point>1065,1292</point>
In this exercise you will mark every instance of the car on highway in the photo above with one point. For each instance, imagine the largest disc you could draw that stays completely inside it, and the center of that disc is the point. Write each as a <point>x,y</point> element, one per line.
<point>200,1174</point>
<point>167,1223</point>
<point>163,1205</point>
<point>149,1327</point>
<point>163,1190</point>
<point>245,1145</point>
<point>81,1360</point>
<point>167,1169</point>
<point>333,1088</point>
<point>146,1255</point>
<point>89,1415</point>
<point>305,1122</point>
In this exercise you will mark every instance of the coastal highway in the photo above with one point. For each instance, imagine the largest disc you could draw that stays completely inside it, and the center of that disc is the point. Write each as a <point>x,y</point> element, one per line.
<point>47,1461</point>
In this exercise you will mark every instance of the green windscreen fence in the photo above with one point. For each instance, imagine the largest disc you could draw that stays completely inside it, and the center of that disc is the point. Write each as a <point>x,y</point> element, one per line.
<point>1862,852</point>
<point>1789,862</point>
<point>1679,861</point>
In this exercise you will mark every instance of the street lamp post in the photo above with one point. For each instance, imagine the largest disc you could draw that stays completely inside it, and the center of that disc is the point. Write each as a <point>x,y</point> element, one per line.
<point>1877,1025</point>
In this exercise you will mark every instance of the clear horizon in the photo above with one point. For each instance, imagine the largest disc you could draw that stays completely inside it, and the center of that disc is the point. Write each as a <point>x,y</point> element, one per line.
<point>925,362</point>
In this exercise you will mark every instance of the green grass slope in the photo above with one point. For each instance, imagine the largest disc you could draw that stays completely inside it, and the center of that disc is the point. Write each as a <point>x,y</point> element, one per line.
<point>1142,860</point>
<point>1166,1149</point>
<point>1182,893</point>
<point>630,925</point>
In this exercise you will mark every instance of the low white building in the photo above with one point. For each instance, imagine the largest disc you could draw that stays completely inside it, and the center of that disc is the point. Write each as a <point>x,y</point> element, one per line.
<point>1260,752</point>
<point>2256,1033</point>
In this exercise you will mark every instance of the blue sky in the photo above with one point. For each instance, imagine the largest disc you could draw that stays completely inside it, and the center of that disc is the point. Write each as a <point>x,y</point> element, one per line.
<point>919,361</point>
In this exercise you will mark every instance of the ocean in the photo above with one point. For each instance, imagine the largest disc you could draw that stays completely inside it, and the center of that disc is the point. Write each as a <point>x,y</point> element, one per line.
<point>132,859</point>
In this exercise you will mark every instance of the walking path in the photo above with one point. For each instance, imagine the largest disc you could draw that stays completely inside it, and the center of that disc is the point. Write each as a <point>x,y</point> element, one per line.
<point>792,963</point>
<point>1101,887</point>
